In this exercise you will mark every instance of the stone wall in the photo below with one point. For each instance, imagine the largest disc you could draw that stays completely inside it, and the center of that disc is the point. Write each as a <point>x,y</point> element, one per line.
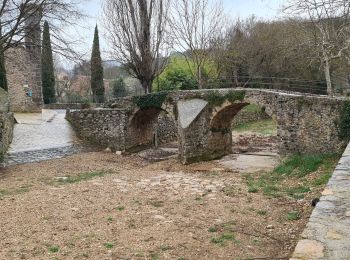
<point>23,66</point>
<point>166,128</point>
<point>6,123</point>
<point>327,234</point>
<point>105,127</point>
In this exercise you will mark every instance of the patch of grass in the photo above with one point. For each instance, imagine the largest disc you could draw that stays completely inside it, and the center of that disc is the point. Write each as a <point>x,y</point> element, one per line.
<point>79,177</point>
<point>293,215</point>
<point>323,179</point>
<point>262,212</point>
<point>109,219</point>
<point>296,168</point>
<point>109,245</point>
<point>231,191</point>
<point>252,108</point>
<point>165,248</point>
<point>221,240</point>
<point>120,208</point>
<point>212,229</point>
<point>54,249</point>
<point>297,192</point>
<point>10,192</point>
<point>154,256</point>
<point>198,198</point>
<point>302,165</point>
<point>263,127</point>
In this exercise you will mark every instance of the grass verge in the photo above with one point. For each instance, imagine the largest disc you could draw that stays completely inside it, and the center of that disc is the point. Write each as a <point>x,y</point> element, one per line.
<point>295,176</point>
<point>262,127</point>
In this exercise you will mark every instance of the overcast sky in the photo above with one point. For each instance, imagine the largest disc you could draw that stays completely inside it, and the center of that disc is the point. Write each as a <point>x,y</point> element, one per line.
<point>266,9</point>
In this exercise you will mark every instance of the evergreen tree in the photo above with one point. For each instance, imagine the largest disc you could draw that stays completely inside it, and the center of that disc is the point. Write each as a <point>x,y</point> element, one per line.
<point>97,85</point>
<point>48,75</point>
<point>3,79</point>
<point>119,88</point>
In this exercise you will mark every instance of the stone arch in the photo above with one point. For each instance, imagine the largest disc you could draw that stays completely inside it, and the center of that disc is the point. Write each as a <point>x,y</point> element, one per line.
<point>141,127</point>
<point>220,140</point>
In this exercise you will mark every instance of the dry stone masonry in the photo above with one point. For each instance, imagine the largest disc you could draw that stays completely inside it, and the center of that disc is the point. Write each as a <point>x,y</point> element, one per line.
<point>203,118</point>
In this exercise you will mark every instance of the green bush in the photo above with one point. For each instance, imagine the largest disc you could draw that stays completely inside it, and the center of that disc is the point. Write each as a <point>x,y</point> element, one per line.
<point>119,88</point>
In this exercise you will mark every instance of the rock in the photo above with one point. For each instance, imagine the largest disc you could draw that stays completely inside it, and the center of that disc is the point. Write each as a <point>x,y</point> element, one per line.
<point>270,227</point>
<point>118,152</point>
<point>309,249</point>
<point>108,150</point>
<point>333,235</point>
<point>159,217</point>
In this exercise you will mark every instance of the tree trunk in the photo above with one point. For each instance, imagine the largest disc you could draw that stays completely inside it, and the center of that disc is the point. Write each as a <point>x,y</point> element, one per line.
<point>327,73</point>
<point>199,77</point>
<point>147,86</point>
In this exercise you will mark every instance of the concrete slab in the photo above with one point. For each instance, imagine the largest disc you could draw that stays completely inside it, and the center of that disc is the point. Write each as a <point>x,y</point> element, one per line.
<point>188,111</point>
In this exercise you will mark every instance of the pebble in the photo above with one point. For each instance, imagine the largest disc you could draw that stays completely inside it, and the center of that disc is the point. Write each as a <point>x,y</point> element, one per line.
<point>270,227</point>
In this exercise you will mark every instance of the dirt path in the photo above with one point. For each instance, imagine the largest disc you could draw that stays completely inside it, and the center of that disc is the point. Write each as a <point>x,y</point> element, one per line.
<point>104,206</point>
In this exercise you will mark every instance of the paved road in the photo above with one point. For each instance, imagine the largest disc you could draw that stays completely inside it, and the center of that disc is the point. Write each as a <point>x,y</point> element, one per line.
<point>42,136</point>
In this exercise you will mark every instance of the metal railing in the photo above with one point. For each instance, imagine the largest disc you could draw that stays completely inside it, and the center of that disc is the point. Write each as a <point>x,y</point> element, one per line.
<point>274,83</point>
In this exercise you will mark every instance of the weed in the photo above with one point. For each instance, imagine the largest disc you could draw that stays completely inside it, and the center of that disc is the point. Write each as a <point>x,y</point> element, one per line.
<point>212,229</point>
<point>78,178</point>
<point>293,215</point>
<point>108,245</point>
<point>109,219</point>
<point>262,212</point>
<point>165,248</point>
<point>223,238</point>
<point>54,249</point>
<point>230,191</point>
<point>323,179</point>
<point>120,208</point>
<point>198,198</point>
<point>297,192</point>
<point>253,189</point>
<point>154,256</point>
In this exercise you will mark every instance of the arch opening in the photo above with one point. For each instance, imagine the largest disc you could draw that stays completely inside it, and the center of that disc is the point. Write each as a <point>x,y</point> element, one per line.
<point>141,129</point>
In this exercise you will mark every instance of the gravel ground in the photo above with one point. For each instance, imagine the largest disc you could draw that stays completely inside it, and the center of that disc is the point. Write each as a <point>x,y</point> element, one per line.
<point>104,206</point>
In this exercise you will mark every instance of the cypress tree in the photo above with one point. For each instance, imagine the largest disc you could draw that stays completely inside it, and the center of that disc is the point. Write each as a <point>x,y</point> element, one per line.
<point>97,85</point>
<point>48,75</point>
<point>3,79</point>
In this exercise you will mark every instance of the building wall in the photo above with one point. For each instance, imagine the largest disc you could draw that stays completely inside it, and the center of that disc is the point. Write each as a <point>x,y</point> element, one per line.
<point>6,123</point>
<point>23,66</point>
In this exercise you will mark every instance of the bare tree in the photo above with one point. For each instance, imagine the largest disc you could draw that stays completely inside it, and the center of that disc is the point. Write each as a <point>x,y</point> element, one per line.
<point>137,33</point>
<point>196,27</point>
<point>327,26</point>
<point>16,18</point>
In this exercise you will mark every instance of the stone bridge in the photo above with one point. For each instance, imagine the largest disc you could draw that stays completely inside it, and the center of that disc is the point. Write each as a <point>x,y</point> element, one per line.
<point>203,118</point>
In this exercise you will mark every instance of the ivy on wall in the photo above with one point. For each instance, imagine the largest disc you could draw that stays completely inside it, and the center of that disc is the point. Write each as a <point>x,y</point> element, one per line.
<point>344,124</point>
<point>215,99</point>
<point>154,100</point>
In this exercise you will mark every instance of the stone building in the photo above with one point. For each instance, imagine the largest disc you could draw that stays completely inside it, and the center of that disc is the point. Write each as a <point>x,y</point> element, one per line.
<point>23,67</point>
